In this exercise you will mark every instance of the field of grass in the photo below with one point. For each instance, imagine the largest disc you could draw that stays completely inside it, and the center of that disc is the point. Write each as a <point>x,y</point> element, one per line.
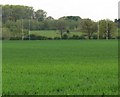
<point>47,33</point>
<point>53,33</point>
<point>61,67</point>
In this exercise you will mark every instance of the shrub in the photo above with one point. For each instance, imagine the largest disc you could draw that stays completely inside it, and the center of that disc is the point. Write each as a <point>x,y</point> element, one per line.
<point>65,36</point>
<point>49,38</point>
<point>33,37</point>
<point>94,36</point>
<point>15,38</point>
<point>68,31</point>
<point>57,38</point>
<point>75,37</point>
<point>82,37</point>
<point>118,37</point>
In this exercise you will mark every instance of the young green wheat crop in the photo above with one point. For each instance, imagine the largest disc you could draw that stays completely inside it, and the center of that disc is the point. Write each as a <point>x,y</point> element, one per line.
<point>61,67</point>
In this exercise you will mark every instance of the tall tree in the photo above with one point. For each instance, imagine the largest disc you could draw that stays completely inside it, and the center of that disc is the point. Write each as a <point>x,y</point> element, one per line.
<point>107,28</point>
<point>89,27</point>
<point>61,26</point>
<point>40,15</point>
<point>72,22</point>
<point>16,12</point>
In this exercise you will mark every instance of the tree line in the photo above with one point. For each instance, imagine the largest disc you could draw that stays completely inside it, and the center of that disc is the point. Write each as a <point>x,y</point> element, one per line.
<point>18,20</point>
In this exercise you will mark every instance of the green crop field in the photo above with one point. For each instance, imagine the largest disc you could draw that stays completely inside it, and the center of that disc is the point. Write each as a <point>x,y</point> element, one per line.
<point>61,67</point>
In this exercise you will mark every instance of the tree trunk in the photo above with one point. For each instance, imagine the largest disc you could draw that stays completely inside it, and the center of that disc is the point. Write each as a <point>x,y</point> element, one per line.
<point>89,36</point>
<point>61,33</point>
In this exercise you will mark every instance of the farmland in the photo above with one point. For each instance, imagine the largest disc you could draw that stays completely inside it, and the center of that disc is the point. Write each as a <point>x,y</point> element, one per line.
<point>52,33</point>
<point>61,67</point>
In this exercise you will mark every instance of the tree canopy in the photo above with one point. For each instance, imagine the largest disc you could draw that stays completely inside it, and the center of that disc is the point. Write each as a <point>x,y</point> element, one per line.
<point>18,17</point>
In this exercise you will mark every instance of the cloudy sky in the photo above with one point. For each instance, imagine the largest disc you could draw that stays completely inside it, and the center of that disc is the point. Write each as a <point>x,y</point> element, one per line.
<point>94,9</point>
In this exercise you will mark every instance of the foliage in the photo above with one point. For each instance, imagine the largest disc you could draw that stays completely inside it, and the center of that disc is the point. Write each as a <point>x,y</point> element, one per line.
<point>75,37</point>
<point>6,34</point>
<point>89,27</point>
<point>15,12</point>
<point>61,26</point>
<point>107,29</point>
<point>74,18</point>
<point>13,15</point>
<point>65,36</point>
<point>40,15</point>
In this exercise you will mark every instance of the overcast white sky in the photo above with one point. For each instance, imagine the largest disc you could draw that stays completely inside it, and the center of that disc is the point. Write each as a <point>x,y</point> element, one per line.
<point>94,9</point>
